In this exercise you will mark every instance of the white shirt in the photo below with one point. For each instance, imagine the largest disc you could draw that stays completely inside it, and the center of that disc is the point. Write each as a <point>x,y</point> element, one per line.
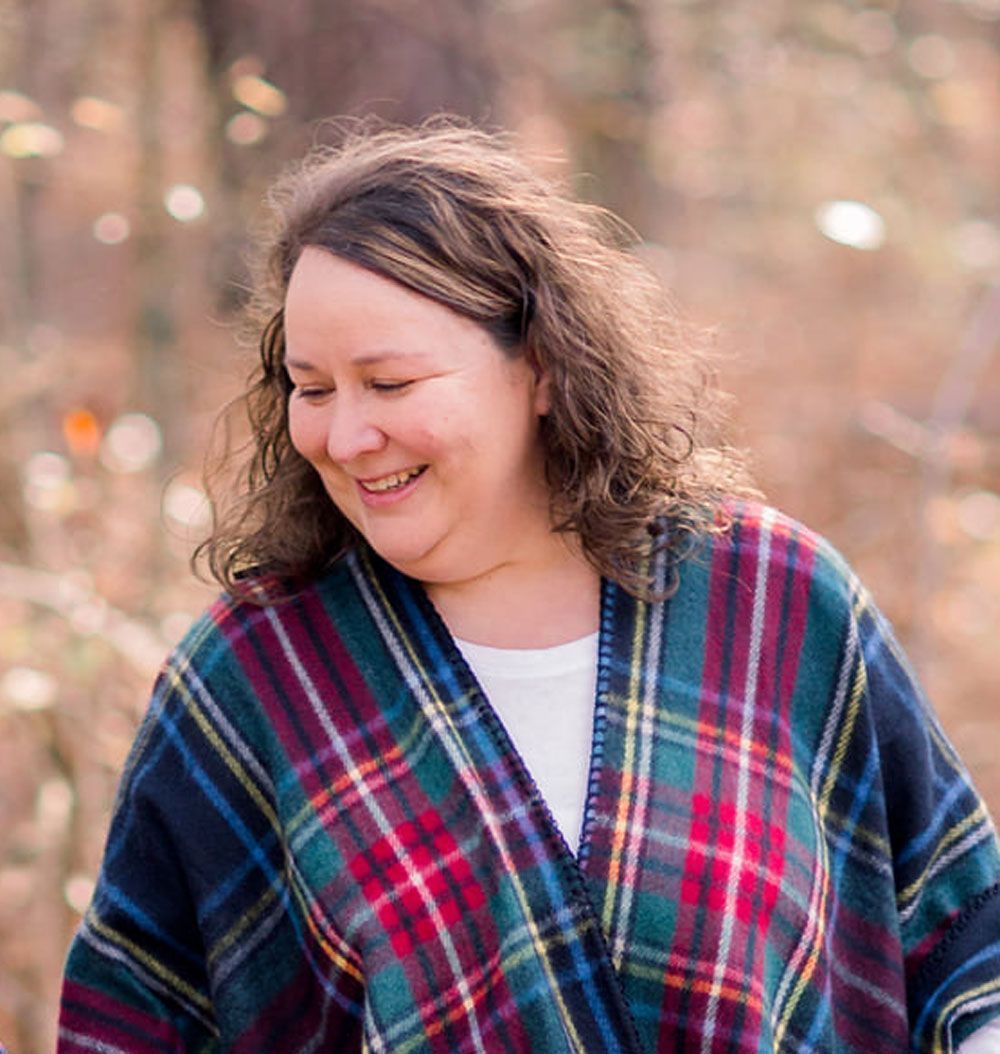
<point>985,1040</point>
<point>545,699</point>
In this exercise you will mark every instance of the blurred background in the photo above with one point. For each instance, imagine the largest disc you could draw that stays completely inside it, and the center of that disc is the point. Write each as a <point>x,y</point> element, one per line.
<point>818,180</point>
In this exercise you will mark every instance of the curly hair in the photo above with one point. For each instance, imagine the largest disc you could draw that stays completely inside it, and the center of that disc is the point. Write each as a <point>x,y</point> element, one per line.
<point>454,213</point>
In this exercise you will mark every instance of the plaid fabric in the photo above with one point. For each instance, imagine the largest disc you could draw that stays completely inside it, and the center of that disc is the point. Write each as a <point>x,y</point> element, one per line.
<point>325,841</point>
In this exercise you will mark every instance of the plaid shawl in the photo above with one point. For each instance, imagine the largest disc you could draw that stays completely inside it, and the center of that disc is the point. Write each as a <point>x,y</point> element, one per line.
<point>325,841</point>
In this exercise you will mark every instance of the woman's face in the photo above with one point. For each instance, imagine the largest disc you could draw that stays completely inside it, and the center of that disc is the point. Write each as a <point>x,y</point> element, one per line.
<point>424,433</point>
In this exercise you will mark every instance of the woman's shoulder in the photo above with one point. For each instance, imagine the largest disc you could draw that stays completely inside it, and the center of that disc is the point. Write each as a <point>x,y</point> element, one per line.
<point>236,618</point>
<point>757,538</point>
<point>219,686</point>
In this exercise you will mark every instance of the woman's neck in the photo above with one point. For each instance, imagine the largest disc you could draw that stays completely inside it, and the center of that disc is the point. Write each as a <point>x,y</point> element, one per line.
<point>524,605</point>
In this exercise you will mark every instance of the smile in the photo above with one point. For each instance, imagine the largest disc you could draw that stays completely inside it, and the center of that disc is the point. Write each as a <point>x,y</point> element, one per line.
<point>393,482</point>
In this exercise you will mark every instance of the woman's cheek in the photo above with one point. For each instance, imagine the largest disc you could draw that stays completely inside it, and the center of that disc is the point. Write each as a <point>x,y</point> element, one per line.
<point>304,432</point>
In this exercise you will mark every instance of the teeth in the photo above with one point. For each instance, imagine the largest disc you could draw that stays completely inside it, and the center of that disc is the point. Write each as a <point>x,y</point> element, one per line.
<point>397,479</point>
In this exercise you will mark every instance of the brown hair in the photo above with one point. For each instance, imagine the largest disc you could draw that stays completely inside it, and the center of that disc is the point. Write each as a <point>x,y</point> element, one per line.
<point>452,212</point>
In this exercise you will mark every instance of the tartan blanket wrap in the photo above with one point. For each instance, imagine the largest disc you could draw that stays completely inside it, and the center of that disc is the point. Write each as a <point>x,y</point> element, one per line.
<point>324,839</point>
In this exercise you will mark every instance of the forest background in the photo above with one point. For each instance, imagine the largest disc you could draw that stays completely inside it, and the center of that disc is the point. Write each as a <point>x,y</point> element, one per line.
<point>816,179</point>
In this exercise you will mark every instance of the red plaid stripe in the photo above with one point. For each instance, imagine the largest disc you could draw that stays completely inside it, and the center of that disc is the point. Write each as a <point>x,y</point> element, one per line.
<point>710,861</point>
<point>416,879</point>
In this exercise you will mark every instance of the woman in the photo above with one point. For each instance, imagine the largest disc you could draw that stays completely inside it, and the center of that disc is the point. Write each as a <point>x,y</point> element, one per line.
<point>374,805</point>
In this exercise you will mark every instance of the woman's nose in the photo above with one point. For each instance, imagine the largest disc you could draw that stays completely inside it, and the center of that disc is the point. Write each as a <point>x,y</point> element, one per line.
<point>351,432</point>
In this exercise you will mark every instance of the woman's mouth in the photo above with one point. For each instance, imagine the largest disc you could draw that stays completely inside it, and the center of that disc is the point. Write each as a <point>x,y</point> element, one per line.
<point>394,481</point>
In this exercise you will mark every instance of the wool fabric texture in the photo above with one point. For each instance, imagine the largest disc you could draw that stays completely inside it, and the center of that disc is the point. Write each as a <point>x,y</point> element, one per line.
<point>325,841</point>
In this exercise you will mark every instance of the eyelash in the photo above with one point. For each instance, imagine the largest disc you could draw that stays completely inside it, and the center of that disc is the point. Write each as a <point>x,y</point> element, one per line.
<point>310,393</point>
<point>389,386</point>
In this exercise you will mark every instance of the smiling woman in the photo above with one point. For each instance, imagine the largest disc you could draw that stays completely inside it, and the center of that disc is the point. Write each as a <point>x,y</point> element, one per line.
<point>521,726</point>
<point>452,214</point>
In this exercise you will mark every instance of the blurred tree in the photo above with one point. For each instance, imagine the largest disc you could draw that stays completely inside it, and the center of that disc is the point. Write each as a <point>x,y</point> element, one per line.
<point>401,60</point>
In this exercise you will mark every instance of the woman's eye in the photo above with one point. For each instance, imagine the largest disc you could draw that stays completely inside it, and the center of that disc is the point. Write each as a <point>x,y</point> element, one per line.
<point>311,392</point>
<point>389,386</point>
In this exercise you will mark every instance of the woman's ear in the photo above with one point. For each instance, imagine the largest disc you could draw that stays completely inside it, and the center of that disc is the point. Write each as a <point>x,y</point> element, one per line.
<point>543,393</point>
<point>543,385</point>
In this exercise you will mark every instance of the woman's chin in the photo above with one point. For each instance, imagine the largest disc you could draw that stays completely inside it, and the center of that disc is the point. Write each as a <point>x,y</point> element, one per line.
<point>410,556</point>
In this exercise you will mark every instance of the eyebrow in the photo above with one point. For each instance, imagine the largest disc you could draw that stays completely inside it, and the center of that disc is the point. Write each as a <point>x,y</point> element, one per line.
<point>370,359</point>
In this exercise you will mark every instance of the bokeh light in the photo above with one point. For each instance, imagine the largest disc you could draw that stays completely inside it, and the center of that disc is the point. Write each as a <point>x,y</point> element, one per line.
<point>53,807</point>
<point>28,689</point>
<point>47,481</point>
<point>132,443</point>
<point>16,106</point>
<point>979,514</point>
<point>111,228</point>
<point>31,139</point>
<point>99,115</point>
<point>851,223</point>
<point>258,94</point>
<point>184,202</point>
<point>187,506</point>
<point>82,431</point>
<point>246,128</point>
<point>77,891</point>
